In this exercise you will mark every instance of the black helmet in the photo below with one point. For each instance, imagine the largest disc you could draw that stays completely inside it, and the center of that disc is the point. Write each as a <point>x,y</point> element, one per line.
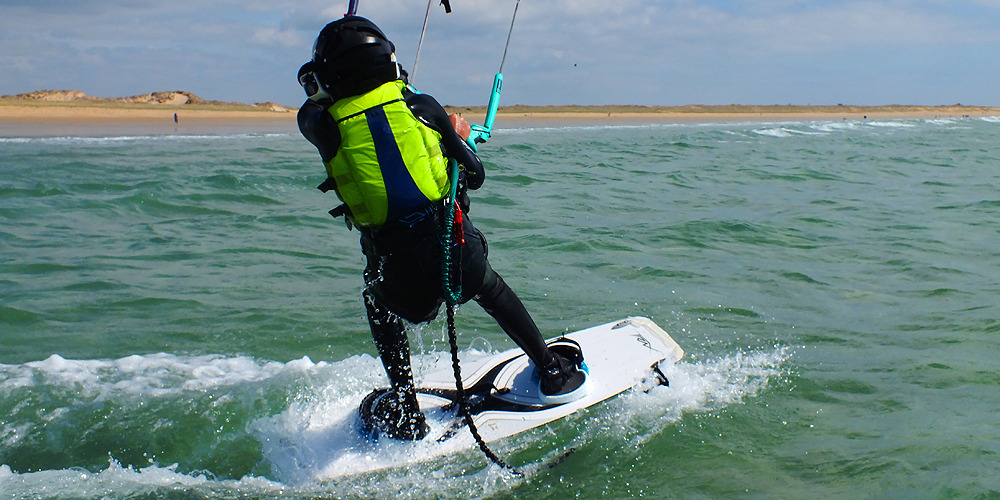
<point>352,56</point>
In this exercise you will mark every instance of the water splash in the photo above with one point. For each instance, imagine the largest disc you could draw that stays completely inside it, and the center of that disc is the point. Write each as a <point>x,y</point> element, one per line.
<point>311,446</point>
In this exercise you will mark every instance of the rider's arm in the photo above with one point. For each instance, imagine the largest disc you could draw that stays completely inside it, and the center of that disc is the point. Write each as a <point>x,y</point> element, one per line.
<point>320,129</point>
<point>427,110</point>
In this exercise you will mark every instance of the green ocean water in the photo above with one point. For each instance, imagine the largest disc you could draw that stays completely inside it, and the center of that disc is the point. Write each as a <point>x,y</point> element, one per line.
<point>180,318</point>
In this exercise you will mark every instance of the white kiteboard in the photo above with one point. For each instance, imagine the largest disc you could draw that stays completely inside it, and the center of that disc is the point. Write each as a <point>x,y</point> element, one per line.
<point>502,390</point>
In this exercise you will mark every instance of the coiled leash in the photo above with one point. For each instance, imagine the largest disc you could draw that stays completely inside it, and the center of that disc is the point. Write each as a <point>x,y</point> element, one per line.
<point>454,236</point>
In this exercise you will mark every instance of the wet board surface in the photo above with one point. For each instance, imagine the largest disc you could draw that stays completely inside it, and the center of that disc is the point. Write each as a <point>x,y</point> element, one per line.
<point>503,389</point>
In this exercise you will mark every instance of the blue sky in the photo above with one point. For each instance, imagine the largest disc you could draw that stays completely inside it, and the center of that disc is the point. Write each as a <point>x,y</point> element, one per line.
<point>646,52</point>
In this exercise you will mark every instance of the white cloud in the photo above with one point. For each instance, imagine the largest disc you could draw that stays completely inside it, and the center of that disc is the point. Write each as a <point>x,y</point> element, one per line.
<point>22,64</point>
<point>561,50</point>
<point>636,26</point>
<point>272,36</point>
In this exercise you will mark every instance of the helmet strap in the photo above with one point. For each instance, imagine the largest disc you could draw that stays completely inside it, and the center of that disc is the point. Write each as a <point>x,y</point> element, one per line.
<point>321,95</point>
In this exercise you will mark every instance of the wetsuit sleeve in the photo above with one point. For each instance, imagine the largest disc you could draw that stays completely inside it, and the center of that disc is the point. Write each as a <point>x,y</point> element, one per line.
<point>432,114</point>
<point>320,129</point>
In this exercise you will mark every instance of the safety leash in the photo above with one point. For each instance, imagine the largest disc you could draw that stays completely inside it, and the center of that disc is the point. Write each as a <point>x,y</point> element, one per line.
<point>453,292</point>
<point>452,296</point>
<point>449,267</point>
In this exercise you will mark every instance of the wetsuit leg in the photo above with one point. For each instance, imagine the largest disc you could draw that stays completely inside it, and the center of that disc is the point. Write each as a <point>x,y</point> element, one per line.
<point>557,370</point>
<point>499,301</point>
<point>558,375</point>
<point>389,334</point>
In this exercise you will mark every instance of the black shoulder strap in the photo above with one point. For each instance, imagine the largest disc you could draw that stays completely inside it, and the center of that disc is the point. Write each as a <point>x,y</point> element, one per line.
<point>386,103</point>
<point>327,185</point>
<point>343,209</point>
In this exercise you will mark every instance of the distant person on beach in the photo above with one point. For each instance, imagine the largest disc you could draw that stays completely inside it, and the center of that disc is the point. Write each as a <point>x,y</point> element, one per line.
<point>386,151</point>
<point>175,117</point>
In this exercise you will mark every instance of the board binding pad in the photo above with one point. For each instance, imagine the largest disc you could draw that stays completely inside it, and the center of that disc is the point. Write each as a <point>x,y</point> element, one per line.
<point>502,390</point>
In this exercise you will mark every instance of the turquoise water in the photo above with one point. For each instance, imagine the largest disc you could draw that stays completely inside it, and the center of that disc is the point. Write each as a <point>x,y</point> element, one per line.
<point>180,317</point>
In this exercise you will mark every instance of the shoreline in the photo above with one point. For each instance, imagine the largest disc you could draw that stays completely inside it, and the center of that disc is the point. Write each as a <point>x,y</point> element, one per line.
<point>714,117</point>
<point>56,113</point>
<point>56,120</point>
<point>35,119</point>
<point>723,114</point>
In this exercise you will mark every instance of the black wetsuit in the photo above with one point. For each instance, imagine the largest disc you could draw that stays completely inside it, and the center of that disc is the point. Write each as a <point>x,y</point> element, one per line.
<point>403,273</point>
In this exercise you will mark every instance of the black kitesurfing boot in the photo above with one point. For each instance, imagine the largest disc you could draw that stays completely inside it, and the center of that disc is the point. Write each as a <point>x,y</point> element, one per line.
<point>563,379</point>
<point>386,412</point>
<point>559,364</point>
<point>392,412</point>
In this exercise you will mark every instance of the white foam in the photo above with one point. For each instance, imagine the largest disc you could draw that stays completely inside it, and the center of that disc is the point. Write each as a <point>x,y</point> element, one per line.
<point>154,374</point>
<point>118,481</point>
<point>941,121</point>
<point>840,126</point>
<point>781,132</point>
<point>137,138</point>
<point>784,131</point>
<point>588,128</point>
<point>313,445</point>
<point>317,439</point>
<point>891,124</point>
<point>694,388</point>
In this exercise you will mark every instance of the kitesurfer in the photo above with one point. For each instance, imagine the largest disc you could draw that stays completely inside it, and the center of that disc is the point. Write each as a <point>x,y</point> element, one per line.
<point>386,149</point>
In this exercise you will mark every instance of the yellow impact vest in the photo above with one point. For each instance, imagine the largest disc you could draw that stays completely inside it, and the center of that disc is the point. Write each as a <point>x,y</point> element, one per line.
<point>389,163</point>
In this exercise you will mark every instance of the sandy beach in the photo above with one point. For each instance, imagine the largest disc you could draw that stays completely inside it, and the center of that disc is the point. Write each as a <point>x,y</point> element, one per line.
<point>513,117</point>
<point>43,113</point>
<point>36,119</point>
